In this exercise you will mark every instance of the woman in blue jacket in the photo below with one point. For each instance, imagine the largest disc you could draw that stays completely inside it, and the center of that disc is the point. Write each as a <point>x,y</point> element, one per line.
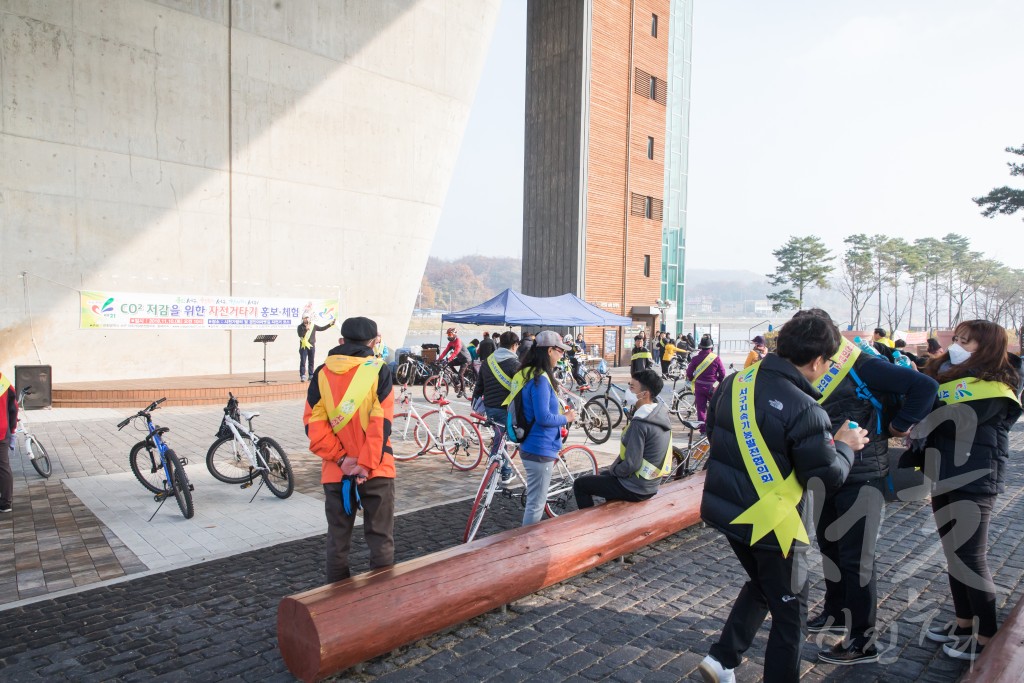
<point>543,412</point>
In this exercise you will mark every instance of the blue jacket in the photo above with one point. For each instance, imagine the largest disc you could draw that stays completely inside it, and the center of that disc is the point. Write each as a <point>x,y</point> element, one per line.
<point>542,409</point>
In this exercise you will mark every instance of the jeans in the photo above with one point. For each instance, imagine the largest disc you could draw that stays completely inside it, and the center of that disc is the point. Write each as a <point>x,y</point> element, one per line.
<point>499,415</point>
<point>605,486</point>
<point>778,585</point>
<point>538,478</point>
<point>849,560</point>
<point>6,473</point>
<point>378,500</point>
<point>306,355</point>
<point>962,520</point>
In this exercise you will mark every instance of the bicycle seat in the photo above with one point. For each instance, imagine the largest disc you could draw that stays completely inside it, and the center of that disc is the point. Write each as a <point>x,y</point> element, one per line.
<point>693,425</point>
<point>249,416</point>
<point>443,402</point>
<point>162,430</point>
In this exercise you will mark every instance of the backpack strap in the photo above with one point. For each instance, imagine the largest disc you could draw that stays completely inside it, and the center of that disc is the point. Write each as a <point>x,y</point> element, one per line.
<point>865,394</point>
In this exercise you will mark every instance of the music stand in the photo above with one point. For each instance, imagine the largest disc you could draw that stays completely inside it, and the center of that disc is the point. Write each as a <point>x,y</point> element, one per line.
<point>264,339</point>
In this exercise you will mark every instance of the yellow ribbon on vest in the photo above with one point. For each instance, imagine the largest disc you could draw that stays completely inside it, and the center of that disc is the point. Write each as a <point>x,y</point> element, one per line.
<point>647,470</point>
<point>704,365</point>
<point>499,374</point>
<point>339,414</point>
<point>974,389</point>
<point>844,359</point>
<point>5,384</point>
<point>304,342</point>
<point>778,498</point>
<point>519,381</point>
<point>646,355</point>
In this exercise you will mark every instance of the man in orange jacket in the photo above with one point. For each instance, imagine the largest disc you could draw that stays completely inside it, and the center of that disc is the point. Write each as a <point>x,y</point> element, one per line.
<point>349,408</point>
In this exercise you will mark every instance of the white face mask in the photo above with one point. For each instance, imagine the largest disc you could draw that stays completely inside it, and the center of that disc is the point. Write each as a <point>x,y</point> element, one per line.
<point>958,354</point>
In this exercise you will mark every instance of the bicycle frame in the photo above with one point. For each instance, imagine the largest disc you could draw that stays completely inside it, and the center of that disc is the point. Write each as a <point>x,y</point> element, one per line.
<point>161,447</point>
<point>443,412</point>
<point>237,429</point>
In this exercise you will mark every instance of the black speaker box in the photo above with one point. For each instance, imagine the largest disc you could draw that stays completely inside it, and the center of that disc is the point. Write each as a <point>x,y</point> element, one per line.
<point>40,379</point>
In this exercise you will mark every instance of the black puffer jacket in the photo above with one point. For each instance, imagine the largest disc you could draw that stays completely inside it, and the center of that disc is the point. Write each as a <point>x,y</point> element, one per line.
<point>983,471</point>
<point>884,380</point>
<point>493,391</point>
<point>796,430</point>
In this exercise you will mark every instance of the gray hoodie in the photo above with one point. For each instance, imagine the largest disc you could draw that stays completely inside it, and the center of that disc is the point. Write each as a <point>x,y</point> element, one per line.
<point>647,438</point>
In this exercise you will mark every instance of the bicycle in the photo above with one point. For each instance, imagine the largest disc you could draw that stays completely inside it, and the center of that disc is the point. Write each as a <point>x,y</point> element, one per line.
<point>573,461</point>
<point>686,461</point>
<point>614,400</point>
<point>677,366</point>
<point>159,470</point>
<point>441,381</point>
<point>683,405</point>
<point>592,417</point>
<point>40,460</point>
<point>240,455</point>
<point>414,370</point>
<point>457,436</point>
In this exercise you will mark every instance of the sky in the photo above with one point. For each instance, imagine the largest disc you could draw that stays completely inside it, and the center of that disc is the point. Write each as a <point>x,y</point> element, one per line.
<point>806,118</point>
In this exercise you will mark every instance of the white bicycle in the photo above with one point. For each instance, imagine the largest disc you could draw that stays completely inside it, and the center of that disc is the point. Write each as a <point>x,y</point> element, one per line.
<point>240,455</point>
<point>36,451</point>
<point>456,435</point>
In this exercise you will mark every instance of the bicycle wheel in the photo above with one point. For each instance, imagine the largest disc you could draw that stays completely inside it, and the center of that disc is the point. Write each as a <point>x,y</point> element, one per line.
<point>39,457</point>
<point>426,438</point>
<point>145,463</point>
<point>279,477</point>
<point>484,496</point>
<point>469,381</point>
<point>573,462</point>
<point>435,388</point>
<point>404,373</point>
<point>596,422</point>
<point>683,406</point>
<point>227,460</point>
<point>405,438</point>
<point>461,443</point>
<point>181,489</point>
<point>593,379</point>
<point>614,408</point>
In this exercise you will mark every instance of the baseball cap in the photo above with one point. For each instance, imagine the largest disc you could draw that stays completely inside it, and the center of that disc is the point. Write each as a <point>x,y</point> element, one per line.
<point>549,338</point>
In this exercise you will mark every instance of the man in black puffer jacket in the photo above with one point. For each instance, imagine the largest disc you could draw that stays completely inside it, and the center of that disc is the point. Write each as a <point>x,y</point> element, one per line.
<point>495,381</point>
<point>766,450</point>
<point>860,387</point>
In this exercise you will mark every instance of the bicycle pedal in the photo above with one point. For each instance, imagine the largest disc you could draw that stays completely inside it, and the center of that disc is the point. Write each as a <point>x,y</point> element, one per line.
<point>159,497</point>
<point>191,487</point>
<point>245,485</point>
<point>184,461</point>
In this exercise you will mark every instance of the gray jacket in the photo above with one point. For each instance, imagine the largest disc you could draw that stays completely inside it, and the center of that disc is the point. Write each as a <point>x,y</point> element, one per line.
<point>646,438</point>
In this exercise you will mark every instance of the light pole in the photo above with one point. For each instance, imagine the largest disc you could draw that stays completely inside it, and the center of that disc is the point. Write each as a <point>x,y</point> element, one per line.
<point>662,307</point>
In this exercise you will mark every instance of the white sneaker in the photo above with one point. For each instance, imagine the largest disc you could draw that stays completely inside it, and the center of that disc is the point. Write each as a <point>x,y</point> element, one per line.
<point>713,671</point>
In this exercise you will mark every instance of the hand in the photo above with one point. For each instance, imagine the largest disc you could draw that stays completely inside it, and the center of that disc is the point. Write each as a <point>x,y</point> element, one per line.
<point>349,466</point>
<point>362,474</point>
<point>570,415</point>
<point>897,433</point>
<point>856,439</point>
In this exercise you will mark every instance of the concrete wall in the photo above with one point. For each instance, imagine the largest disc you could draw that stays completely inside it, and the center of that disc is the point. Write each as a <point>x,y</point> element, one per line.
<point>294,149</point>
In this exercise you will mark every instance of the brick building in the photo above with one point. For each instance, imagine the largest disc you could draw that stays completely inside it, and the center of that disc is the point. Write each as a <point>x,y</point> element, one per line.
<point>607,109</point>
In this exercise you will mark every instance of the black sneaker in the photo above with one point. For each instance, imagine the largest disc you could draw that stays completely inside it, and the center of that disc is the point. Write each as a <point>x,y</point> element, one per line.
<point>6,508</point>
<point>826,623</point>
<point>948,633</point>
<point>847,654</point>
<point>967,649</point>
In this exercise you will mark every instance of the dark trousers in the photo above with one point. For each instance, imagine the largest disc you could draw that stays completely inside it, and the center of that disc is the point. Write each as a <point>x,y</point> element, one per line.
<point>962,520</point>
<point>378,499</point>
<point>605,486</point>
<point>848,556</point>
<point>6,473</point>
<point>306,357</point>
<point>778,585</point>
<point>664,366</point>
<point>460,362</point>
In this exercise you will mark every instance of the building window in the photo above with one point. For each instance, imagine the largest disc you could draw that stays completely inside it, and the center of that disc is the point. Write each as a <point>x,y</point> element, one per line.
<point>647,265</point>
<point>650,86</point>
<point>650,147</point>
<point>647,206</point>
<point>654,88</point>
<point>654,25</point>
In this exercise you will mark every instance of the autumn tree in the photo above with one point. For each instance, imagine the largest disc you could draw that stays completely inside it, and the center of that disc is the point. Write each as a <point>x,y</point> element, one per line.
<point>803,263</point>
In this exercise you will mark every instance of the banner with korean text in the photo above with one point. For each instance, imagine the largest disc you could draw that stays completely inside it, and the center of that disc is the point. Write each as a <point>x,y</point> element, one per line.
<point>122,311</point>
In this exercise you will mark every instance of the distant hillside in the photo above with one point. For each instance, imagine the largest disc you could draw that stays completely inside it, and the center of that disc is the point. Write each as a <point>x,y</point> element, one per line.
<point>699,276</point>
<point>467,281</point>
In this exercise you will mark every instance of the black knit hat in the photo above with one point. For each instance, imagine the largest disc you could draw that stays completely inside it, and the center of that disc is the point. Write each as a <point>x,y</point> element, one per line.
<point>358,329</point>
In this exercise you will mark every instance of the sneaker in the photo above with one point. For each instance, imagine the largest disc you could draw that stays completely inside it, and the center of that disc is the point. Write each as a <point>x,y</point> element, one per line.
<point>948,633</point>
<point>302,378</point>
<point>968,649</point>
<point>846,654</point>
<point>713,671</point>
<point>6,508</point>
<point>506,478</point>
<point>826,623</point>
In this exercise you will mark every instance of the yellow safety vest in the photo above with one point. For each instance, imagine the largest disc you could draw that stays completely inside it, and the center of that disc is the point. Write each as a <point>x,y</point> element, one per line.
<point>304,342</point>
<point>339,414</point>
<point>776,509</point>
<point>646,355</point>
<point>520,380</point>
<point>647,470</point>
<point>845,357</point>
<point>5,384</point>
<point>704,364</point>
<point>974,389</point>
<point>499,374</point>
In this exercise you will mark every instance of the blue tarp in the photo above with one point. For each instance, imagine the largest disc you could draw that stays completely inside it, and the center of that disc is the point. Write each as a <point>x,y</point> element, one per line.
<point>513,308</point>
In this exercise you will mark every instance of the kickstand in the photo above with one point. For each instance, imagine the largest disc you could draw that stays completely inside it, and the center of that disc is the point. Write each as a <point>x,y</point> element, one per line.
<point>163,499</point>
<point>262,481</point>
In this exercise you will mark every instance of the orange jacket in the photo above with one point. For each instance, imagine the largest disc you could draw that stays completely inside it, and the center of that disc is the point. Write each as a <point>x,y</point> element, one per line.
<point>367,435</point>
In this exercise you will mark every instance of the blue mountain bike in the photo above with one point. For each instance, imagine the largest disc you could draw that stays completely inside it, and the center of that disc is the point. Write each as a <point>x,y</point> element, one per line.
<point>156,466</point>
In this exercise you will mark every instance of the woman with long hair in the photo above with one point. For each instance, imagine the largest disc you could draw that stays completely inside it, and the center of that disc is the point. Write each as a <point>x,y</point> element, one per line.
<point>975,373</point>
<point>543,412</point>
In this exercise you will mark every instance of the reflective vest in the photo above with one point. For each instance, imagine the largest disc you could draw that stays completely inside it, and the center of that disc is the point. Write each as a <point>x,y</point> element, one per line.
<point>647,470</point>
<point>341,412</point>
<point>643,354</point>
<point>776,508</point>
<point>5,384</point>
<point>844,358</point>
<point>973,389</point>
<point>704,365</point>
<point>499,374</point>
<point>304,342</point>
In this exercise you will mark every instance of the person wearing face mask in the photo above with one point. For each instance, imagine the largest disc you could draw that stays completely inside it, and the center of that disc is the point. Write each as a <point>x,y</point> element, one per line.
<point>770,440</point>
<point>977,373</point>
<point>645,451</point>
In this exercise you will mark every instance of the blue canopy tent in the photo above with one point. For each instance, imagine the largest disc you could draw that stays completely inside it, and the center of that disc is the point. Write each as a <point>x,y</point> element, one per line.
<point>513,308</point>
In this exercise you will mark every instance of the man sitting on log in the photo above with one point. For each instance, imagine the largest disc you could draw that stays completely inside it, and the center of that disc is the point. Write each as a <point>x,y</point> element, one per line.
<point>349,409</point>
<point>645,451</point>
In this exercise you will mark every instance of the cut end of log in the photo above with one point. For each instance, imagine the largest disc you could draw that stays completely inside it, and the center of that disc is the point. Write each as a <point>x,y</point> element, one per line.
<point>298,639</point>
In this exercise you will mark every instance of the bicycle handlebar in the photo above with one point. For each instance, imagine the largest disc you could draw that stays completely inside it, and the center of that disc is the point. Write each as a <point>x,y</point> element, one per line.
<point>142,413</point>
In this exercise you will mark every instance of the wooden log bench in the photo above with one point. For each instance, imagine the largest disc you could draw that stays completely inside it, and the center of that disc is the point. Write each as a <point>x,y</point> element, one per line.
<point>1002,660</point>
<point>331,628</point>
